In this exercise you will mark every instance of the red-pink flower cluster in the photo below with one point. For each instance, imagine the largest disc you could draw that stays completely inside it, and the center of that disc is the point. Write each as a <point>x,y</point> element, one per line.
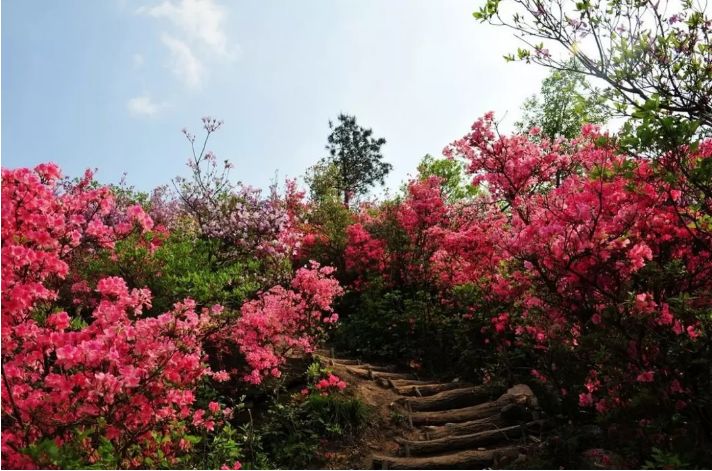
<point>104,371</point>
<point>364,252</point>
<point>121,376</point>
<point>282,322</point>
<point>421,217</point>
<point>574,226</point>
<point>235,465</point>
<point>567,241</point>
<point>331,383</point>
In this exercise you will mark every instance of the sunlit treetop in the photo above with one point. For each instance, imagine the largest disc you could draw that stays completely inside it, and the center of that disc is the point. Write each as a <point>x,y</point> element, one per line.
<point>655,56</point>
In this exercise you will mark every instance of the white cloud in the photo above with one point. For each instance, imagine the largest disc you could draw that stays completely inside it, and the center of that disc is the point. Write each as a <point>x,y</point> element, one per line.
<point>143,106</point>
<point>186,66</point>
<point>194,36</point>
<point>200,20</point>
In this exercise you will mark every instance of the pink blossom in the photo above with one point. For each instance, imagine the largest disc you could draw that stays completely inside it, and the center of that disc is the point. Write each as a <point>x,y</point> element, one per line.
<point>645,377</point>
<point>538,376</point>
<point>638,254</point>
<point>585,400</point>
<point>235,465</point>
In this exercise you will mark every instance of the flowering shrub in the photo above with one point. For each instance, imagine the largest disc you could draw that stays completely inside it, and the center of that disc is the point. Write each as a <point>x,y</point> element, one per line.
<point>297,431</point>
<point>331,383</point>
<point>364,252</point>
<point>605,262</point>
<point>321,380</point>
<point>121,377</point>
<point>282,321</point>
<point>403,308</point>
<point>589,235</point>
<point>237,215</point>
<point>590,268</point>
<point>93,379</point>
<point>164,209</point>
<point>398,241</point>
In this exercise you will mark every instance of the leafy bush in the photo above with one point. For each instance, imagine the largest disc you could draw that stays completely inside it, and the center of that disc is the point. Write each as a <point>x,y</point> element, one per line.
<point>337,416</point>
<point>294,431</point>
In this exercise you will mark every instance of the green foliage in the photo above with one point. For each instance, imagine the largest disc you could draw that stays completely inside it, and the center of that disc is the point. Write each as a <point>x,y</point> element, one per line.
<point>189,268</point>
<point>660,459</point>
<point>413,325</point>
<point>455,184</point>
<point>184,266</point>
<point>337,416</point>
<point>323,182</point>
<point>48,454</point>
<point>565,103</point>
<point>213,450</point>
<point>656,131</point>
<point>327,218</point>
<point>375,325</point>
<point>292,433</point>
<point>653,56</point>
<point>487,11</point>
<point>287,438</point>
<point>251,442</point>
<point>128,195</point>
<point>357,157</point>
<point>315,370</point>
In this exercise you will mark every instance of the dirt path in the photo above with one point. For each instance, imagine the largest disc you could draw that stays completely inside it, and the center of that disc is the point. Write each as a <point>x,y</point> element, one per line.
<point>423,424</point>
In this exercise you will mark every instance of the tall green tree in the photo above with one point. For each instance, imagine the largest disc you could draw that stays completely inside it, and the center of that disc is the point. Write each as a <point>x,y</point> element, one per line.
<point>655,56</point>
<point>328,217</point>
<point>456,185</point>
<point>564,104</point>
<point>356,154</point>
<point>323,181</point>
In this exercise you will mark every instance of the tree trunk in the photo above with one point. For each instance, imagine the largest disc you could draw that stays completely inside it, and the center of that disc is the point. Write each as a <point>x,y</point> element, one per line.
<point>470,441</point>
<point>464,428</point>
<point>475,459</point>
<point>426,389</point>
<point>519,395</point>
<point>453,398</point>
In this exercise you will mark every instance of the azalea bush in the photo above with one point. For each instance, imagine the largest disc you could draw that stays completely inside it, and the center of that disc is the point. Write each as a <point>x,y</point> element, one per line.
<point>90,375</point>
<point>576,267</point>
<point>215,240</point>
<point>95,385</point>
<point>234,214</point>
<point>604,262</point>
<point>411,300</point>
<point>280,322</point>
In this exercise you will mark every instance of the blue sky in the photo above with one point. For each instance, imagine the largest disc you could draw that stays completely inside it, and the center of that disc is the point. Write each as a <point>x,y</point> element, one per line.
<point>109,84</point>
